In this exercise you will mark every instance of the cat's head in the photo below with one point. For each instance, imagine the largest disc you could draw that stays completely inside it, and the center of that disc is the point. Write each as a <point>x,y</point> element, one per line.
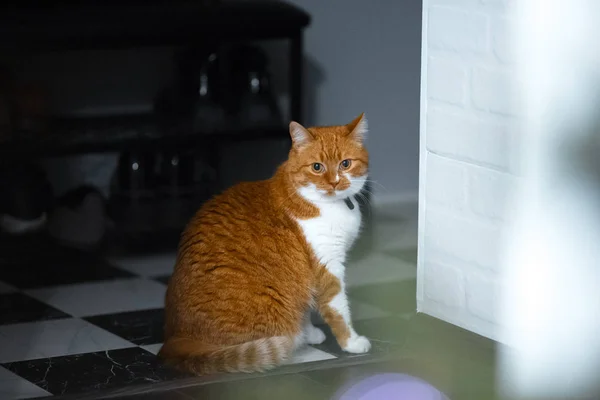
<point>329,163</point>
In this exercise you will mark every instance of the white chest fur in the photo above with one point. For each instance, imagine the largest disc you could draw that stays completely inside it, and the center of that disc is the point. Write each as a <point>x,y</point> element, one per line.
<point>333,232</point>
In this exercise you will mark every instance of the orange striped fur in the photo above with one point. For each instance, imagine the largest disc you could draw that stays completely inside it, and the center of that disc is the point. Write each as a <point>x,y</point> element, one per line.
<point>246,277</point>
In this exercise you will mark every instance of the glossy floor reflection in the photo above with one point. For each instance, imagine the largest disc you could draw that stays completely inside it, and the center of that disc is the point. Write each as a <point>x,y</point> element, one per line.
<point>459,364</point>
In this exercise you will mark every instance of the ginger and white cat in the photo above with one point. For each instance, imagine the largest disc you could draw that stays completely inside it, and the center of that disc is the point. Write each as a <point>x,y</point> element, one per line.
<point>255,260</point>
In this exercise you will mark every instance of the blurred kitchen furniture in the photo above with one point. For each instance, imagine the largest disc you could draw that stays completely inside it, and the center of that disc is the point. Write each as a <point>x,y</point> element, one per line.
<point>30,26</point>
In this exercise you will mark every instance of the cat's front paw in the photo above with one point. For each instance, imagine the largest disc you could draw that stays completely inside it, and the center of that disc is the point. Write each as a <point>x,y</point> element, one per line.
<point>314,335</point>
<point>358,345</point>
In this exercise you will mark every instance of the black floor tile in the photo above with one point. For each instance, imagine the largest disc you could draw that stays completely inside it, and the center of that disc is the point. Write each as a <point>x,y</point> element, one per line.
<point>139,327</point>
<point>163,279</point>
<point>330,345</point>
<point>18,307</point>
<point>162,395</point>
<point>94,371</point>
<point>56,265</point>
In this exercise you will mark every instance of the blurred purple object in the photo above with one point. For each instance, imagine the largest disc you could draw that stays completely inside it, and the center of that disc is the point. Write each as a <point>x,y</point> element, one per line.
<point>390,387</point>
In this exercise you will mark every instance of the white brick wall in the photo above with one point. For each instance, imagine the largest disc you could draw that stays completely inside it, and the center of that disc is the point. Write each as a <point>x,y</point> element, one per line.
<point>469,158</point>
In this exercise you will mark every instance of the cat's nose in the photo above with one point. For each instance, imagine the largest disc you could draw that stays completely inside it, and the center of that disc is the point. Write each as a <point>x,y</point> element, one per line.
<point>334,184</point>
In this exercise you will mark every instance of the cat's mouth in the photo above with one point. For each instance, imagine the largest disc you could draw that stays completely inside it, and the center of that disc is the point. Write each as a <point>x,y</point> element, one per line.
<point>348,190</point>
<point>329,194</point>
<point>338,194</point>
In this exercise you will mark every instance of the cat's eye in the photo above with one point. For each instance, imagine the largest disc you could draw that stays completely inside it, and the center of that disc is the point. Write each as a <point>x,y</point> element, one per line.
<point>345,164</point>
<point>317,167</point>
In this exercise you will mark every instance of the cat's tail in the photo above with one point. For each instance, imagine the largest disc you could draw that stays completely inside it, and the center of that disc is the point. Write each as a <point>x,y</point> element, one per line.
<point>202,359</point>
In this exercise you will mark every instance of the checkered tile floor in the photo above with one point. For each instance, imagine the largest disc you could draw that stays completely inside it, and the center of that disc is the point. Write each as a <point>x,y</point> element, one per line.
<point>72,323</point>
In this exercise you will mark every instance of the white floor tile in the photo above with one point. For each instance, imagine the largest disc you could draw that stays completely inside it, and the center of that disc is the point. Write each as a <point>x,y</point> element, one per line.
<point>108,297</point>
<point>309,354</point>
<point>148,266</point>
<point>6,288</point>
<point>361,311</point>
<point>406,316</point>
<point>302,355</point>
<point>61,337</point>
<point>406,210</point>
<point>152,348</point>
<point>378,268</point>
<point>396,225</point>
<point>395,235</point>
<point>14,387</point>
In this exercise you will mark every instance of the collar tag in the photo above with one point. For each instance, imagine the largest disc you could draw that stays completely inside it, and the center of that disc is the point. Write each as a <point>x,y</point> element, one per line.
<point>349,203</point>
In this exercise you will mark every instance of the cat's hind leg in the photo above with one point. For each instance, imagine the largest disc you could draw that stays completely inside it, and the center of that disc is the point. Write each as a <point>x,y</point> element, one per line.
<point>312,334</point>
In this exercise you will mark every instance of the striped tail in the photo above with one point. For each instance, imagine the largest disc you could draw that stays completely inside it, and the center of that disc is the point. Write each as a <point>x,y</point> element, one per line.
<point>201,359</point>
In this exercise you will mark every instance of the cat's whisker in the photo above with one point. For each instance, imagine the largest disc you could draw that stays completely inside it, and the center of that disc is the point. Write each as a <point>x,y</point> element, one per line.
<point>381,341</point>
<point>376,188</point>
<point>366,190</point>
<point>376,183</point>
<point>368,203</point>
<point>366,199</point>
<point>373,181</point>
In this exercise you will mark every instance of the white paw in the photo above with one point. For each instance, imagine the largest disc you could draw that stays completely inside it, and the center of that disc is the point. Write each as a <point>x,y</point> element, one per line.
<point>358,345</point>
<point>314,335</point>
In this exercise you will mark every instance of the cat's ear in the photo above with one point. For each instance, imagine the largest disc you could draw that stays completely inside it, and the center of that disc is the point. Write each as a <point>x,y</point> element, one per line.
<point>300,135</point>
<point>359,128</point>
